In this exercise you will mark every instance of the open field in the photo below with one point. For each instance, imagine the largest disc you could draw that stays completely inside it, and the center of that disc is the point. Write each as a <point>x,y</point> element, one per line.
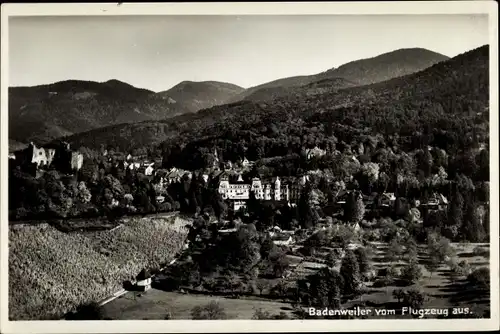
<point>154,304</point>
<point>51,272</point>
<point>441,290</point>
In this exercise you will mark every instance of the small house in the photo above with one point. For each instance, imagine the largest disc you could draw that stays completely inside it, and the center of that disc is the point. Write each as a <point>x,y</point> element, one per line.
<point>143,280</point>
<point>387,199</point>
<point>315,152</point>
<point>245,163</point>
<point>228,230</point>
<point>436,202</point>
<point>237,205</point>
<point>149,170</point>
<point>282,239</point>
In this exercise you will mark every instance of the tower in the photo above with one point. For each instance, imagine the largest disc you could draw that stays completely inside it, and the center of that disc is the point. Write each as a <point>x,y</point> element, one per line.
<point>224,188</point>
<point>267,192</point>
<point>257,188</point>
<point>216,162</point>
<point>277,189</point>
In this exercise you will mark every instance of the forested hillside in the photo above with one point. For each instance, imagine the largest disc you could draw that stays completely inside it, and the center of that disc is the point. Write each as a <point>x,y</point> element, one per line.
<point>445,105</point>
<point>43,113</point>
<point>201,95</point>
<point>356,73</point>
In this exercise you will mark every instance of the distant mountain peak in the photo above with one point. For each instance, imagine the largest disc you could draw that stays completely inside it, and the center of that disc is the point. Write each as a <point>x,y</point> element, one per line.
<point>358,72</point>
<point>197,95</point>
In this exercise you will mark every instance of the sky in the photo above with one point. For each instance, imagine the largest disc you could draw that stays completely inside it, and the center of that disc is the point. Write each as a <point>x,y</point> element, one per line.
<point>158,52</point>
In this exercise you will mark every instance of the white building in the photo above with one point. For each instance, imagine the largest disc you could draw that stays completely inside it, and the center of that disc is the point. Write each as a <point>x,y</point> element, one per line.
<point>315,152</point>
<point>241,191</point>
<point>144,284</point>
<point>237,205</point>
<point>282,239</point>
<point>149,170</point>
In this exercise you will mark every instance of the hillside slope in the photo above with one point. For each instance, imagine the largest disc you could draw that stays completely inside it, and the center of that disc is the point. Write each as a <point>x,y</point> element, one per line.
<point>52,272</point>
<point>359,72</point>
<point>405,105</point>
<point>201,95</point>
<point>42,113</point>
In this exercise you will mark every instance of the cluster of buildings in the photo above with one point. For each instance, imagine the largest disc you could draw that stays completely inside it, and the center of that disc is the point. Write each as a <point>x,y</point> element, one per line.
<point>60,156</point>
<point>239,191</point>
<point>435,201</point>
<point>140,163</point>
<point>314,152</point>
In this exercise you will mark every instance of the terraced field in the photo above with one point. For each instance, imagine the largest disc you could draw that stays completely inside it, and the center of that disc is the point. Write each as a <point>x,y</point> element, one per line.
<point>51,272</point>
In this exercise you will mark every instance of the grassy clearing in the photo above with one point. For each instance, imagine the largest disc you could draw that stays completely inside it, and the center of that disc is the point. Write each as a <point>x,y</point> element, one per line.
<point>154,304</point>
<point>51,272</point>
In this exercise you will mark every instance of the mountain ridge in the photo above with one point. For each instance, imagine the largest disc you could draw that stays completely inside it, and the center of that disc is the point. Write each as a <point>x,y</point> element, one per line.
<point>197,95</point>
<point>44,112</point>
<point>465,77</point>
<point>358,72</point>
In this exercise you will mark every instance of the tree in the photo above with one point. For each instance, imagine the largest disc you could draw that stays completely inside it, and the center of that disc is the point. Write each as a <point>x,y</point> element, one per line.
<point>210,311</point>
<point>331,259</point>
<point>483,161</point>
<point>87,311</point>
<point>411,250</point>
<point>395,250</point>
<point>399,294</point>
<point>371,172</point>
<point>354,208</point>
<point>349,270</point>
<point>280,290</point>
<point>425,162</point>
<point>472,228</point>
<point>432,264</point>
<point>84,194</point>
<point>262,285</point>
<point>363,260</point>
<point>324,288</point>
<point>411,273</point>
<point>480,278</point>
<point>414,298</point>
<point>455,210</point>
<point>306,214</point>
<point>246,247</point>
<point>259,314</point>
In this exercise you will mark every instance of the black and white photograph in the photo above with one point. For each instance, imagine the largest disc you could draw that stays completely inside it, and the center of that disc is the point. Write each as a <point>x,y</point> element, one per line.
<point>333,166</point>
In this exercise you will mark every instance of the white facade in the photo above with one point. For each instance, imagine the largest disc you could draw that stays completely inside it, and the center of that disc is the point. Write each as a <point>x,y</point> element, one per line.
<point>149,170</point>
<point>144,285</point>
<point>315,152</point>
<point>41,156</point>
<point>238,205</point>
<point>234,191</point>
<point>241,191</point>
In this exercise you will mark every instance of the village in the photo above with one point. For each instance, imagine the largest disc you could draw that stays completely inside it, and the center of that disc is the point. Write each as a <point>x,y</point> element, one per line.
<point>299,230</point>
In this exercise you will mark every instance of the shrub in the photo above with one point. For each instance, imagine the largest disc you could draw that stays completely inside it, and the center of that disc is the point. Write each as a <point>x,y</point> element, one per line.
<point>210,311</point>
<point>411,274</point>
<point>480,278</point>
<point>480,251</point>
<point>87,311</point>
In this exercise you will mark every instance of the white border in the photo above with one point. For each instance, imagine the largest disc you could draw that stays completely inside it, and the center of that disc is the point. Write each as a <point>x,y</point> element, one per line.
<point>183,326</point>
